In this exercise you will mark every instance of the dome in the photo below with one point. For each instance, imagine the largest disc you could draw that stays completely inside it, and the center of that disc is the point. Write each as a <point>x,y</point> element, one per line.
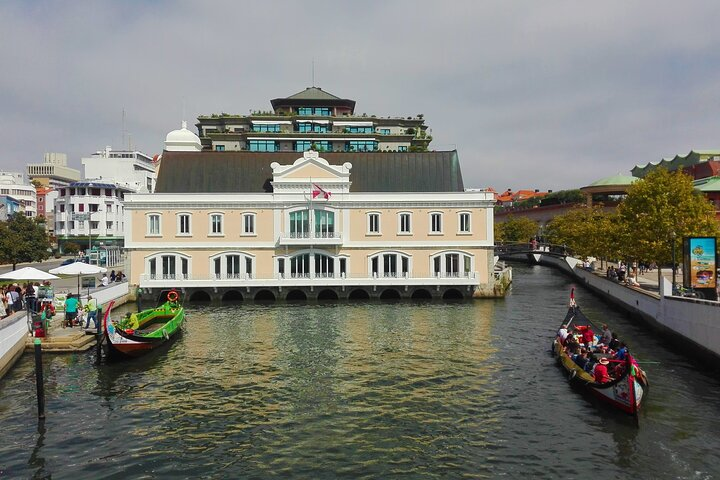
<point>182,140</point>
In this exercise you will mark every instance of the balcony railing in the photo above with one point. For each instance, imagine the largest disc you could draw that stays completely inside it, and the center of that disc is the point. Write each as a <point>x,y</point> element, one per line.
<point>310,238</point>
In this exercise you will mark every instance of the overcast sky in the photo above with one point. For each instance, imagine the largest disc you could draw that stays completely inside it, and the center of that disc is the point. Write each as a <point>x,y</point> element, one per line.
<point>532,94</point>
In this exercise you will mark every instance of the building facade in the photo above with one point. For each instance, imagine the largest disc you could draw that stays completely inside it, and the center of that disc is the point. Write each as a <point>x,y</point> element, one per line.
<point>127,168</point>
<point>90,214</point>
<point>12,184</point>
<point>314,119</point>
<point>53,172</point>
<point>290,226</point>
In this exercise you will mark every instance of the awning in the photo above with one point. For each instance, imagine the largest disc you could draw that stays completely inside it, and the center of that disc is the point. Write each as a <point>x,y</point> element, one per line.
<point>314,121</point>
<point>271,122</point>
<point>353,124</point>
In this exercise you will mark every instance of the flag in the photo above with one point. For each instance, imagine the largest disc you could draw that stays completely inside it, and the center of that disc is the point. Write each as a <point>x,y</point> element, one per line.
<point>317,191</point>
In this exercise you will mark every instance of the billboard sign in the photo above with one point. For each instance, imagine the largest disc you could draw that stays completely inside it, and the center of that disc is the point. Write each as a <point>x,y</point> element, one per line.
<point>701,265</point>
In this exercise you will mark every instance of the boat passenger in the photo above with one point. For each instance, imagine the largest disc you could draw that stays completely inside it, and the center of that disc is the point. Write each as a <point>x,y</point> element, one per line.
<point>571,344</point>
<point>582,359</point>
<point>600,371</point>
<point>562,333</point>
<point>621,352</point>
<point>590,365</point>
<point>606,335</point>
<point>614,342</point>
<point>588,337</point>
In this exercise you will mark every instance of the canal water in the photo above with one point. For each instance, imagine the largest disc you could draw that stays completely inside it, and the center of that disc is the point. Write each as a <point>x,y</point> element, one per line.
<point>362,390</point>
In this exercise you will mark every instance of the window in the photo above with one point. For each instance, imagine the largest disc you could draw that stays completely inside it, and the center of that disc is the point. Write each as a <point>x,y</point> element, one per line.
<point>108,207</point>
<point>452,264</point>
<point>390,264</point>
<point>402,148</point>
<point>360,146</point>
<point>359,129</point>
<point>274,128</point>
<point>304,145</point>
<point>172,266</point>
<point>62,208</point>
<point>300,224</point>
<point>94,225</point>
<point>109,225</point>
<point>436,223</point>
<point>248,224</point>
<point>93,207</point>
<point>405,225</point>
<point>463,222</point>
<point>216,224</point>
<point>153,224</point>
<point>384,131</point>
<point>263,146</point>
<point>324,224</point>
<point>373,223</point>
<point>232,265</point>
<point>219,148</point>
<point>310,127</point>
<point>108,192</point>
<point>183,224</point>
<point>81,207</point>
<point>321,111</point>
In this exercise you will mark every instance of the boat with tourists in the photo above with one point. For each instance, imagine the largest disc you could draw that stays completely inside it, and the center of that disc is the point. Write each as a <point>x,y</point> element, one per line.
<point>138,333</point>
<point>600,363</point>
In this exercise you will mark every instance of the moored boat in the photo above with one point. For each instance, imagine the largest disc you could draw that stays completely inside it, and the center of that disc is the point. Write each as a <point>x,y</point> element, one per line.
<point>627,385</point>
<point>138,333</point>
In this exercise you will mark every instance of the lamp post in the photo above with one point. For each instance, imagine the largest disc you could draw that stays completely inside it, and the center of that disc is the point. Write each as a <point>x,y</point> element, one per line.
<point>672,236</point>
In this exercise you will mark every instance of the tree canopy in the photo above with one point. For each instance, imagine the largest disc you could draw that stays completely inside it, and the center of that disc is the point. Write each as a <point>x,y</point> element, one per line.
<point>661,209</point>
<point>23,240</point>
<point>515,229</point>
<point>586,231</point>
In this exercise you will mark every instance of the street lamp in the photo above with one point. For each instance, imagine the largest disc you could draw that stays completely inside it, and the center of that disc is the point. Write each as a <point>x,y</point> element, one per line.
<point>672,235</point>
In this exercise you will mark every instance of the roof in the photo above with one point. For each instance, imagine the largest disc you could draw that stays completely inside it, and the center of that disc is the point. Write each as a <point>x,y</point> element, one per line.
<point>92,184</point>
<point>679,161</point>
<point>314,93</point>
<point>615,180</point>
<point>250,172</point>
<point>709,184</point>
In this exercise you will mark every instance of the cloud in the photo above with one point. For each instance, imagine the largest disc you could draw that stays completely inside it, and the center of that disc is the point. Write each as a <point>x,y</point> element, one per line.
<point>545,95</point>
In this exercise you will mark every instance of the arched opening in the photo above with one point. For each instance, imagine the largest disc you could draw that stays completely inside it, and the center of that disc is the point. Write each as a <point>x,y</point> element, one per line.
<point>452,294</point>
<point>232,296</point>
<point>327,294</point>
<point>421,294</point>
<point>264,296</point>
<point>200,296</point>
<point>296,296</point>
<point>390,294</point>
<point>359,294</point>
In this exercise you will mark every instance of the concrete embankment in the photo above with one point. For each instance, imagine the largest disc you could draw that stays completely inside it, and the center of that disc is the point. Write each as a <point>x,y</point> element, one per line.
<point>14,337</point>
<point>691,324</point>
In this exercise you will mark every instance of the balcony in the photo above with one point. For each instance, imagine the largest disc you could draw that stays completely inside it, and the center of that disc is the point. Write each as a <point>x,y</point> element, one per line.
<point>310,238</point>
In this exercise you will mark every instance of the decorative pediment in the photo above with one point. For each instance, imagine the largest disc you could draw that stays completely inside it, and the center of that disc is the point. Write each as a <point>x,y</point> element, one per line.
<point>310,169</point>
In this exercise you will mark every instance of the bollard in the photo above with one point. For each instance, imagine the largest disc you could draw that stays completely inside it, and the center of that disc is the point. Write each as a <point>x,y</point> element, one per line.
<point>98,335</point>
<point>39,383</point>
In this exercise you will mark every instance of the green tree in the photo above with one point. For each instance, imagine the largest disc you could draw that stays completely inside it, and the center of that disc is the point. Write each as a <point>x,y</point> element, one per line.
<point>71,248</point>
<point>660,210</point>
<point>586,231</point>
<point>23,240</point>
<point>515,229</point>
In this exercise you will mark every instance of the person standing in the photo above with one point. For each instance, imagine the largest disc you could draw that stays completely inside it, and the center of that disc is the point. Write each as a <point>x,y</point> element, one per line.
<point>31,297</point>
<point>16,298</point>
<point>3,310</point>
<point>91,307</point>
<point>8,302</point>
<point>71,309</point>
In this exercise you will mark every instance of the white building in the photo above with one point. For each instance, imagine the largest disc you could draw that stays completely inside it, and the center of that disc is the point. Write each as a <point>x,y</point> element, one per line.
<point>13,184</point>
<point>131,169</point>
<point>53,172</point>
<point>90,214</point>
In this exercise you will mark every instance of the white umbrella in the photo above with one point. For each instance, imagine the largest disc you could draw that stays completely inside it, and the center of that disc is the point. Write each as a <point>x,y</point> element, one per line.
<point>78,268</point>
<point>28,273</point>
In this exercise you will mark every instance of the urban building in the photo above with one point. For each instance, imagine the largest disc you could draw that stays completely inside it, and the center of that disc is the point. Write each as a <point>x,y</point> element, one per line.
<point>13,184</point>
<point>314,119</point>
<point>311,225</point>
<point>9,206</point>
<point>90,213</point>
<point>127,168</point>
<point>53,172</point>
<point>46,205</point>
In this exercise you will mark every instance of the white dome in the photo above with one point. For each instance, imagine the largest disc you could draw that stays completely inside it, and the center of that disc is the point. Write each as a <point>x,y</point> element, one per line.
<point>182,140</point>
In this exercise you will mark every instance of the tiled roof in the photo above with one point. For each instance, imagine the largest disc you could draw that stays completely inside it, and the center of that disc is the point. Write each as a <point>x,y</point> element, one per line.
<point>250,172</point>
<point>314,93</point>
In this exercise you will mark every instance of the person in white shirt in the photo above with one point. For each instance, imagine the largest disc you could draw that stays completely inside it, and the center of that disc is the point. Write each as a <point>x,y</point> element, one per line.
<point>105,282</point>
<point>563,332</point>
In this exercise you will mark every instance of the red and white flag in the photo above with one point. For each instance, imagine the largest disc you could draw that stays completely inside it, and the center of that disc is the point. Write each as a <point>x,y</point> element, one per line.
<point>318,190</point>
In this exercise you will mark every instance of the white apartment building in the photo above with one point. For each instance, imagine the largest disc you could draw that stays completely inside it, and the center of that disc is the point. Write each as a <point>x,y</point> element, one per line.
<point>127,168</point>
<point>14,185</point>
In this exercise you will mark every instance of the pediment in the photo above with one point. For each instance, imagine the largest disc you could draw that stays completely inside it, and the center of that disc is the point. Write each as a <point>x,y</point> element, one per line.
<point>310,165</point>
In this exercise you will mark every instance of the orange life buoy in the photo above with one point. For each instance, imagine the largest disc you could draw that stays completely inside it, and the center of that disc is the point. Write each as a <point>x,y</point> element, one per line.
<point>172,296</point>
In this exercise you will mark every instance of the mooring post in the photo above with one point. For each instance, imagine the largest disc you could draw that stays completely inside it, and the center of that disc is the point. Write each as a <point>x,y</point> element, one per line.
<point>39,383</point>
<point>98,335</point>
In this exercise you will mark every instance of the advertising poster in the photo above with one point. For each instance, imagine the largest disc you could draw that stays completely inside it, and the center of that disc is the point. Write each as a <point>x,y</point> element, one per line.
<point>703,271</point>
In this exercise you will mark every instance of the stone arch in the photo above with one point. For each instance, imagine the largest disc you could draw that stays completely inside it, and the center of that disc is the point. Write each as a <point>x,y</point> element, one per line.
<point>421,294</point>
<point>200,296</point>
<point>390,294</point>
<point>328,294</point>
<point>264,296</point>
<point>232,296</point>
<point>296,295</point>
<point>453,294</point>
<point>359,294</point>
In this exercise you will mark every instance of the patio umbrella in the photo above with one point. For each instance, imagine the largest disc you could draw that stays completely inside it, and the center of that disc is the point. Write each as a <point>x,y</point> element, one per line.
<point>29,274</point>
<point>78,268</point>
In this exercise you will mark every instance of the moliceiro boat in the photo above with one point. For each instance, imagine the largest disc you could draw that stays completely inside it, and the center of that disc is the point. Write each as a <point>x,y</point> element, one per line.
<point>605,369</point>
<point>138,333</point>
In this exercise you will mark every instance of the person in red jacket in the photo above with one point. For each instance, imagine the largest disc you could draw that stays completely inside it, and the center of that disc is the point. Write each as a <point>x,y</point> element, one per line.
<point>600,372</point>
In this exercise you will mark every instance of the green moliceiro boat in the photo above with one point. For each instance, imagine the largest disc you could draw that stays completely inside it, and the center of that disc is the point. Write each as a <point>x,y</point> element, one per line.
<point>138,333</point>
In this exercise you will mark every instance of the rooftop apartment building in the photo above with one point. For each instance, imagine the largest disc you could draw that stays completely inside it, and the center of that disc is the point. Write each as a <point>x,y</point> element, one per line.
<point>313,119</point>
<point>128,168</point>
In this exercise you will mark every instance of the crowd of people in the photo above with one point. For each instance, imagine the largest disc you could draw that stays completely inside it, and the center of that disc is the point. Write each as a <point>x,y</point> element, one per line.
<point>603,356</point>
<point>16,298</point>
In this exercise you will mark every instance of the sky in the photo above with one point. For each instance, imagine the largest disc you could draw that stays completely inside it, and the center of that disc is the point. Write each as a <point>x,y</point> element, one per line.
<point>532,94</point>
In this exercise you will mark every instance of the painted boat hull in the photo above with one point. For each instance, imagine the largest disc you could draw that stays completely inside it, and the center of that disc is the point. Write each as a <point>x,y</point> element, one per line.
<point>122,343</point>
<point>625,393</point>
